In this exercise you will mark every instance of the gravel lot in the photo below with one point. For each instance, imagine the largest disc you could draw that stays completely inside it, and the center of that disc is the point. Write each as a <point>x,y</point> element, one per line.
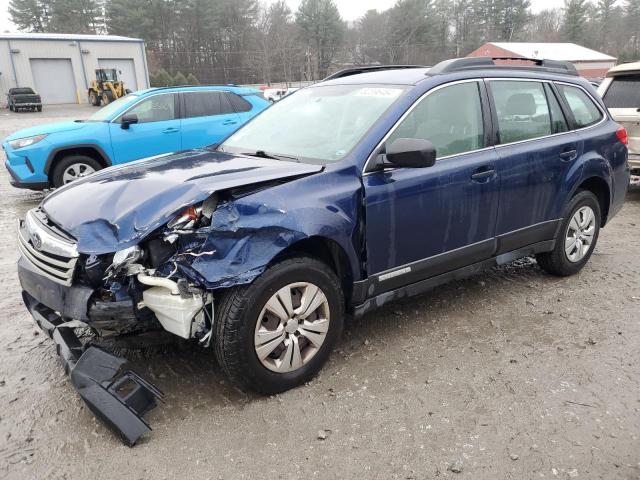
<point>510,374</point>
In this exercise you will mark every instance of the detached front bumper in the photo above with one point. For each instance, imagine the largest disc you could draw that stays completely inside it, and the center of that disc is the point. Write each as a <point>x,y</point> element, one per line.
<point>116,395</point>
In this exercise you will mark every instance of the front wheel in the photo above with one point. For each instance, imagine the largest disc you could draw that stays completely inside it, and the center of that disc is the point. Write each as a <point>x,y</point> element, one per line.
<point>94,99</point>
<point>72,168</point>
<point>577,238</point>
<point>278,332</point>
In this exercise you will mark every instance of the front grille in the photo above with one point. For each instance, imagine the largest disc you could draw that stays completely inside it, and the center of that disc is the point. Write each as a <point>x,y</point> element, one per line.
<point>54,259</point>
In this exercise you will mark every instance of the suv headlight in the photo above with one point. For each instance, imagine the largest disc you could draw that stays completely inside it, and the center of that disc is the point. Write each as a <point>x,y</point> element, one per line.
<point>26,141</point>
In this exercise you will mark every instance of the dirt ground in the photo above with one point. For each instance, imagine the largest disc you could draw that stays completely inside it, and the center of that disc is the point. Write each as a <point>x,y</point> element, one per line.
<point>512,374</point>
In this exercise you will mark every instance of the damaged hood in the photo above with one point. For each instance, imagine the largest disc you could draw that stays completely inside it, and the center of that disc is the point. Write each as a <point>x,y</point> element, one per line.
<point>117,207</point>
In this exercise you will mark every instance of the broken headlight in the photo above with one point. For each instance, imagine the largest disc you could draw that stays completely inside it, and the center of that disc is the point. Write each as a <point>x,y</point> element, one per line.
<point>195,216</point>
<point>126,256</point>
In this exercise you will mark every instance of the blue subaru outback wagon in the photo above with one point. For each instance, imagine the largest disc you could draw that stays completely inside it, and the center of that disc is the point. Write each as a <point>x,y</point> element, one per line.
<point>371,185</point>
<point>142,124</point>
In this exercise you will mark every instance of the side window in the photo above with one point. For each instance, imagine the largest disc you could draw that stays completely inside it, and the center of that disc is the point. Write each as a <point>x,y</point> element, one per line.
<point>238,103</point>
<point>155,109</point>
<point>558,122</point>
<point>201,104</point>
<point>584,110</point>
<point>225,104</point>
<point>450,118</point>
<point>522,110</point>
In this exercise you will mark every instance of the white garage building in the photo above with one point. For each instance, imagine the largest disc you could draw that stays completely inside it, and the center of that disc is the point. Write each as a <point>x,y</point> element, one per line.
<point>60,67</point>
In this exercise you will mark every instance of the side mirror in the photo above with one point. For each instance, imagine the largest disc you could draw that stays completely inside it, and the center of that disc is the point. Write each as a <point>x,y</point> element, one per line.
<point>411,153</point>
<point>127,120</point>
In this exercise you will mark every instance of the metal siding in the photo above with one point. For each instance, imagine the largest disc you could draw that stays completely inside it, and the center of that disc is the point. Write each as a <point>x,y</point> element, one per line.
<point>53,80</point>
<point>126,70</point>
<point>116,51</point>
<point>70,49</point>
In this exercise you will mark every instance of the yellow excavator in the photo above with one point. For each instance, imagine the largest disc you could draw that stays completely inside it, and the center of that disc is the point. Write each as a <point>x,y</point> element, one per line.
<point>106,87</point>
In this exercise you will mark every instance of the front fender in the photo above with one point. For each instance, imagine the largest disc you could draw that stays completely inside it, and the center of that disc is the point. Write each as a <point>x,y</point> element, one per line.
<point>247,234</point>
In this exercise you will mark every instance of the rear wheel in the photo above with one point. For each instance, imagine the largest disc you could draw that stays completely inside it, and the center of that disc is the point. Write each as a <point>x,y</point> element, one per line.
<point>577,238</point>
<point>72,168</point>
<point>278,332</point>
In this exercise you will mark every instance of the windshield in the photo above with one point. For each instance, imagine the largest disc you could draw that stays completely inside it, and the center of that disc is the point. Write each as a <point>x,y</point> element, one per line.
<point>316,124</point>
<point>106,112</point>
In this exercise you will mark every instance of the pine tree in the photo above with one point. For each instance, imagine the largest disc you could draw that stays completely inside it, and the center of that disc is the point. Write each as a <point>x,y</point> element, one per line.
<point>323,30</point>
<point>179,79</point>
<point>31,15</point>
<point>192,80</point>
<point>575,21</point>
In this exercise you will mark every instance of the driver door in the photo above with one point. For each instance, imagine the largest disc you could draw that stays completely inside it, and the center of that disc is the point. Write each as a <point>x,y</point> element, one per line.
<point>422,222</point>
<point>157,130</point>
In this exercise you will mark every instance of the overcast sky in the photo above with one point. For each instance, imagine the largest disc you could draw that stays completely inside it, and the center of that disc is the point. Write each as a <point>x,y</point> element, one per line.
<point>349,9</point>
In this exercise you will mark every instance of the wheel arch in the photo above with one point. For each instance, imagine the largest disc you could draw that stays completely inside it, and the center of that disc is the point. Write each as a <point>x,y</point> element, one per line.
<point>327,251</point>
<point>89,149</point>
<point>601,189</point>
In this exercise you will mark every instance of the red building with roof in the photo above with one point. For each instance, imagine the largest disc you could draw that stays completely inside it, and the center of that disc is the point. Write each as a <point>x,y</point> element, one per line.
<point>589,63</point>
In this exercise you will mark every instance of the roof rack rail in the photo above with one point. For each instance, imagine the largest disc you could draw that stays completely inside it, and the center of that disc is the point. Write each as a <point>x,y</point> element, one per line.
<point>347,72</point>
<point>471,63</point>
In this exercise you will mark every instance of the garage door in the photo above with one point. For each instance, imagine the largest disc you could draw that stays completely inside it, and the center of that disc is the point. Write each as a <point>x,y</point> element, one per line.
<point>54,81</point>
<point>124,65</point>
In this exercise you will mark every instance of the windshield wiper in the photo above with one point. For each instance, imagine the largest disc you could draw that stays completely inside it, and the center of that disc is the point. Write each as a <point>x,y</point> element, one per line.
<point>272,156</point>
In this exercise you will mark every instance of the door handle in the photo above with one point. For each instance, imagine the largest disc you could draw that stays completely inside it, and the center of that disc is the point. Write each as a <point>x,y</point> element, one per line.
<point>229,122</point>
<point>171,130</point>
<point>569,155</point>
<point>483,175</point>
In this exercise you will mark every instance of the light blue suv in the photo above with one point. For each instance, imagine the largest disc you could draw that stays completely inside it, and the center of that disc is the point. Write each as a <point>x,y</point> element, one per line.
<point>142,124</point>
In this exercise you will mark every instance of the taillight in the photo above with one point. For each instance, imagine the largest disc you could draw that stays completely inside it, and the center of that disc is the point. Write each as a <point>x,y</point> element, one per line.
<point>621,133</point>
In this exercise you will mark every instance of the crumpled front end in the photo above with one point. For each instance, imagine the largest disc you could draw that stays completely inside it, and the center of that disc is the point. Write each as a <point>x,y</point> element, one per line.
<point>47,269</point>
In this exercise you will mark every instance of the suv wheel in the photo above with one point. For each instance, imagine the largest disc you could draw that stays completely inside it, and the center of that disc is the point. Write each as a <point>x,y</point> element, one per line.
<point>72,168</point>
<point>278,332</point>
<point>577,239</point>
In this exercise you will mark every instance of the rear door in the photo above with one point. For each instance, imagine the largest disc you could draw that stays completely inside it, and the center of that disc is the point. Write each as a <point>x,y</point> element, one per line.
<point>537,152</point>
<point>157,130</point>
<point>622,98</point>
<point>421,222</point>
<point>208,118</point>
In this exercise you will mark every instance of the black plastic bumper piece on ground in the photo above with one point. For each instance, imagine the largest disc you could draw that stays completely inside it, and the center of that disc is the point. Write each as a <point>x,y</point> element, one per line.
<point>117,396</point>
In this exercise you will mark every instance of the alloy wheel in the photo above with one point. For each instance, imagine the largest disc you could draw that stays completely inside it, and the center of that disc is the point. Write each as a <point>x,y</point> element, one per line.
<point>292,327</point>
<point>579,235</point>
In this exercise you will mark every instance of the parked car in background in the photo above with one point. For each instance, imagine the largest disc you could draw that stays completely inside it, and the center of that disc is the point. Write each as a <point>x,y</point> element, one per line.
<point>274,94</point>
<point>353,192</point>
<point>620,91</point>
<point>23,98</point>
<point>142,124</point>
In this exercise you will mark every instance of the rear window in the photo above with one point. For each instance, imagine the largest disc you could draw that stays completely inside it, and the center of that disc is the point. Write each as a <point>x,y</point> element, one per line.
<point>239,104</point>
<point>21,91</point>
<point>585,112</point>
<point>624,92</point>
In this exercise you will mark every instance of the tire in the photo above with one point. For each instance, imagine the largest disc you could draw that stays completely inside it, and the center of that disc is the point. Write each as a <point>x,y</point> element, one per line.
<point>107,98</point>
<point>84,166</point>
<point>39,108</point>
<point>239,316</point>
<point>564,259</point>
<point>94,99</point>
